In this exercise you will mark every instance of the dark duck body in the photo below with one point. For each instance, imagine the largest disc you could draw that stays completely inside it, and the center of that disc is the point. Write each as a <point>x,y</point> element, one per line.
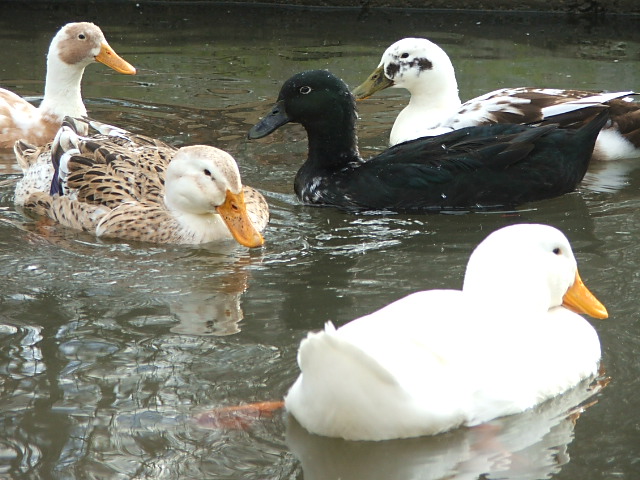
<point>493,166</point>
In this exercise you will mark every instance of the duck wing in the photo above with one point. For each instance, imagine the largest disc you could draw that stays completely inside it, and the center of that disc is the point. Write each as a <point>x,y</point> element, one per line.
<point>529,105</point>
<point>567,108</point>
<point>110,183</point>
<point>108,165</point>
<point>388,389</point>
<point>110,179</point>
<point>479,167</point>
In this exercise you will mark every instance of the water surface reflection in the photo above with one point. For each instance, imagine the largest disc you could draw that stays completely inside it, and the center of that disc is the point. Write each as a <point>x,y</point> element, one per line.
<point>531,445</point>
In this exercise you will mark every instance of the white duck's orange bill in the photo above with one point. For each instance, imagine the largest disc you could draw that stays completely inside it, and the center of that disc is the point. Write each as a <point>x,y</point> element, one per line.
<point>580,300</point>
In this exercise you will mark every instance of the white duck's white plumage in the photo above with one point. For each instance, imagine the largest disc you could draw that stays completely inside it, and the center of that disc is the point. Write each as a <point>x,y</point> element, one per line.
<point>439,359</point>
<point>423,68</point>
<point>116,184</point>
<point>73,48</point>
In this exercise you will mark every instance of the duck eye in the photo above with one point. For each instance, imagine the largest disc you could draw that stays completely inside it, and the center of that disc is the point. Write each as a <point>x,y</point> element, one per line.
<point>304,90</point>
<point>557,251</point>
<point>207,172</point>
<point>404,55</point>
<point>82,36</point>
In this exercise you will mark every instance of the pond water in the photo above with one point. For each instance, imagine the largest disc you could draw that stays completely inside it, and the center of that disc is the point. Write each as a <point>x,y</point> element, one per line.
<point>109,350</point>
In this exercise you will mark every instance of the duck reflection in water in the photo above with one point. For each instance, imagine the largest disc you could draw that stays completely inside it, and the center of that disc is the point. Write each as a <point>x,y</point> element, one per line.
<point>527,446</point>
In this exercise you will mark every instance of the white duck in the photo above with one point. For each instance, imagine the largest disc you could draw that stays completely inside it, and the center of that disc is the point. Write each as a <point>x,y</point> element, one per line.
<point>74,47</point>
<point>423,68</point>
<point>117,184</point>
<point>439,359</point>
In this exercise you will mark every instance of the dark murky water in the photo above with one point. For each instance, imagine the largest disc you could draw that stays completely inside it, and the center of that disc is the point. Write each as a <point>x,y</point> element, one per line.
<point>109,349</point>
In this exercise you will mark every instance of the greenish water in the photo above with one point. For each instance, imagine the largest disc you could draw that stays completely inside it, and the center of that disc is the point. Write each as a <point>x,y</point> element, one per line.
<point>108,350</point>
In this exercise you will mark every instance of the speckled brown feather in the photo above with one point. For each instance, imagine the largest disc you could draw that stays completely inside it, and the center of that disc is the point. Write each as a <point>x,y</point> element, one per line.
<point>67,212</point>
<point>28,154</point>
<point>144,221</point>
<point>256,207</point>
<point>113,179</point>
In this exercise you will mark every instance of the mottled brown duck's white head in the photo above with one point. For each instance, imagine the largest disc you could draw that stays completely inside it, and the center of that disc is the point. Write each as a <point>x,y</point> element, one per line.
<point>205,181</point>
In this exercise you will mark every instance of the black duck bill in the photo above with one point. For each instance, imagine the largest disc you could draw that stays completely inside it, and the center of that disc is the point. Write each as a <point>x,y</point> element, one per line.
<point>271,122</point>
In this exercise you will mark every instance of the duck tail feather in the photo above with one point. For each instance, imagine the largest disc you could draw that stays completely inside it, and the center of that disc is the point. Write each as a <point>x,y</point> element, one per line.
<point>595,125</point>
<point>26,154</point>
<point>328,347</point>
<point>64,145</point>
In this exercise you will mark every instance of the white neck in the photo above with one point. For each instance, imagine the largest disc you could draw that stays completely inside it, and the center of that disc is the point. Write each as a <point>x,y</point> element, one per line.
<point>439,94</point>
<point>62,91</point>
<point>424,113</point>
<point>200,228</point>
<point>431,103</point>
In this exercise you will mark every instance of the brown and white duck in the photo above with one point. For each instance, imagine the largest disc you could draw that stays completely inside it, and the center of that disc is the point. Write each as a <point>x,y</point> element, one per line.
<point>74,47</point>
<point>117,184</point>
<point>423,68</point>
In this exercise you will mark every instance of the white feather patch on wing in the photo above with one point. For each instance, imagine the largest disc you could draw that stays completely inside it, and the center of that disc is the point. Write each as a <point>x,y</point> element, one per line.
<point>579,103</point>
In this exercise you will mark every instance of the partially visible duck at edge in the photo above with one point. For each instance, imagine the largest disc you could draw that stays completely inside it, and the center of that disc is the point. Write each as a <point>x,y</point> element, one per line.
<point>74,47</point>
<point>423,68</point>
<point>116,184</point>
<point>495,166</point>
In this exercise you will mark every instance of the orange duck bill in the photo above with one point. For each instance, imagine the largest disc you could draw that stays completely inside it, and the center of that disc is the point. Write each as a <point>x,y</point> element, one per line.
<point>580,300</point>
<point>111,59</point>
<point>234,213</point>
